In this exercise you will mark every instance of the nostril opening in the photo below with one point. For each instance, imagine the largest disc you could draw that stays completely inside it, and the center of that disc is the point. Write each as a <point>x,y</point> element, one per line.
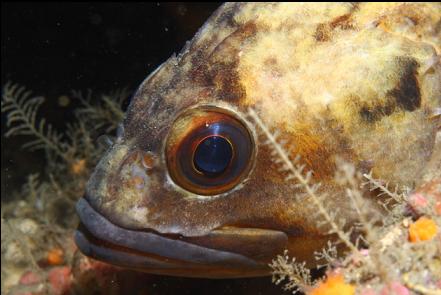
<point>148,160</point>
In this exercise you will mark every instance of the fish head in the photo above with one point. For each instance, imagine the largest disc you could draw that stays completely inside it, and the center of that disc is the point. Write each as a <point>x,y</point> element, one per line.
<point>195,187</point>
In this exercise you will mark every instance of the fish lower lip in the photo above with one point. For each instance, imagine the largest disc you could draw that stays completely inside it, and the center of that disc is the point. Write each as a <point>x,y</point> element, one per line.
<point>101,239</point>
<point>117,255</point>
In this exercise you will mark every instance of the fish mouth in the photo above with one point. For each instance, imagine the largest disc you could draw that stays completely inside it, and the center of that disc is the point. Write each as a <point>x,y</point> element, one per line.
<point>156,253</point>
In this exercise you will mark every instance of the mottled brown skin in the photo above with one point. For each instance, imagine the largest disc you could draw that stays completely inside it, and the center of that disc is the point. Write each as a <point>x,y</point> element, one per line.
<point>358,81</point>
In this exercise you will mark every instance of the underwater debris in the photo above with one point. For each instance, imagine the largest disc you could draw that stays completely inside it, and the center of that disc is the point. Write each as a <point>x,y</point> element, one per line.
<point>377,257</point>
<point>37,227</point>
<point>297,275</point>
<point>108,113</point>
<point>72,153</point>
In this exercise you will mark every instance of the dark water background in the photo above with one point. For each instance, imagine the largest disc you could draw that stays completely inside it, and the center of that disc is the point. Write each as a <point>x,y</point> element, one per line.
<point>52,48</point>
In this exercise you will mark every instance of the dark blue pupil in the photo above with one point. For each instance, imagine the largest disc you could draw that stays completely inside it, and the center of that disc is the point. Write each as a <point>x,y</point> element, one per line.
<point>213,155</point>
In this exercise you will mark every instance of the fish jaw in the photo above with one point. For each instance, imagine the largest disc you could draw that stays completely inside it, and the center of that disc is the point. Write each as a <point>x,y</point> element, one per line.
<point>166,254</point>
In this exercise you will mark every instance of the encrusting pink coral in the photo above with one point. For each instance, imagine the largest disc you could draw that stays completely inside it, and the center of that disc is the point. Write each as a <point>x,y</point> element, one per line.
<point>395,288</point>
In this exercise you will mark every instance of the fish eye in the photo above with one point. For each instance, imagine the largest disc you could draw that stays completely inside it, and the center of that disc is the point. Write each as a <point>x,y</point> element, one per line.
<point>213,155</point>
<point>209,150</point>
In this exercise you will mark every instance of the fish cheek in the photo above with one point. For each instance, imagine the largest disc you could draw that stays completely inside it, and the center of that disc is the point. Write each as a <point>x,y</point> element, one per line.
<point>128,188</point>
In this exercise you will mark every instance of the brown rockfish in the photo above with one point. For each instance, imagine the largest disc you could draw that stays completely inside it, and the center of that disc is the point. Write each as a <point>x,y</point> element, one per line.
<point>190,188</point>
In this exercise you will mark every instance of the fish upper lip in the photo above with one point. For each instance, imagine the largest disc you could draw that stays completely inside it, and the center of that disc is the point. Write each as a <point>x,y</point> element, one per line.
<point>149,243</point>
